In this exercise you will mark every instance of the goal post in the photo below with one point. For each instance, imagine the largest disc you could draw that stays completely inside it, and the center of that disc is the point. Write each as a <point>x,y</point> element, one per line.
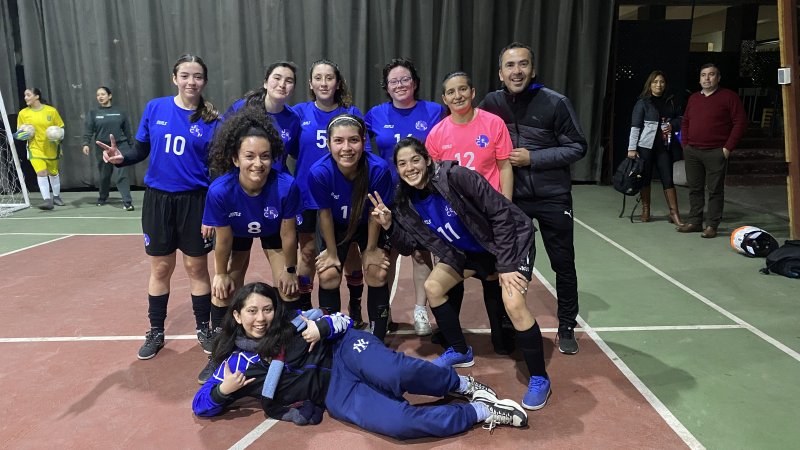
<point>13,192</point>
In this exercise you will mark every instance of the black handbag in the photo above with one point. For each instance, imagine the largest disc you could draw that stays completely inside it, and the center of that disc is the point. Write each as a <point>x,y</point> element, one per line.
<point>628,180</point>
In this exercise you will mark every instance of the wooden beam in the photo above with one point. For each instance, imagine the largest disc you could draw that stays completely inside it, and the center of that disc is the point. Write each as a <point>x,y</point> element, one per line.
<point>787,32</point>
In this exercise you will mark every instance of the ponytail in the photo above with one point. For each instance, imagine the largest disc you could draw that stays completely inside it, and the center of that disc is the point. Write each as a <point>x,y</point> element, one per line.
<point>358,198</point>
<point>206,111</point>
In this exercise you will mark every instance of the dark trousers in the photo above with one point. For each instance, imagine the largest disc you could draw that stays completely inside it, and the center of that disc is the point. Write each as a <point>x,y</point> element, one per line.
<point>657,158</point>
<point>554,219</point>
<point>120,176</point>
<point>705,169</point>
<point>368,381</point>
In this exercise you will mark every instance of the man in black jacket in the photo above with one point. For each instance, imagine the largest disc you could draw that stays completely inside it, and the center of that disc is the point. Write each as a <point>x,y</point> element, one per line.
<point>547,139</point>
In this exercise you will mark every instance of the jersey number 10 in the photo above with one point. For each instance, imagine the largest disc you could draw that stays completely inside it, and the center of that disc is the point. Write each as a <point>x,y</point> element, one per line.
<point>178,145</point>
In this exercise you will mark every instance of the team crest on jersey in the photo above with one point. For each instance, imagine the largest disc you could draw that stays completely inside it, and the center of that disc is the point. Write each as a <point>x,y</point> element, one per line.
<point>335,195</point>
<point>146,239</point>
<point>449,211</point>
<point>270,212</point>
<point>49,118</point>
<point>285,135</point>
<point>421,125</point>
<point>299,219</point>
<point>196,131</point>
<point>482,141</point>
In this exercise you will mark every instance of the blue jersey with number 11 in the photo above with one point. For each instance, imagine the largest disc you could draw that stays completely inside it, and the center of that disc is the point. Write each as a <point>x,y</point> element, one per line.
<point>443,220</point>
<point>178,147</point>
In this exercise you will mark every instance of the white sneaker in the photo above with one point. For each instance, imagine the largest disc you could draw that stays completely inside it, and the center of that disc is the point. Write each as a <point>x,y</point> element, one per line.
<point>422,327</point>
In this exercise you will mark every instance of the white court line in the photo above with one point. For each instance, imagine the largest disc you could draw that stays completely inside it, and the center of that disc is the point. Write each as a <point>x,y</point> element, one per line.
<point>177,337</point>
<point>687,437</point>
<point>72,234</point>
<point>696,295</point>
<point>251,437</point>
<point>74,218</point>
<point>35,245</point>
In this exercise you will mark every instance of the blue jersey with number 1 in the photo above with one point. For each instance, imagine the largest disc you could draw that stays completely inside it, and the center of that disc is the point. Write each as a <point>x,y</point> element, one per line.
<point>331,190</point>
<point>287,123</point>
<point>443,220</point>
<point>313,143</point>
<point>388,124</point>
<point>227,204</point>
<point>178,147</point>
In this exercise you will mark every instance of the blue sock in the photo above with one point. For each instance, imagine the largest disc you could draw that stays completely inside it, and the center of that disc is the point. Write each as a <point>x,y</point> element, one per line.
<point>481,410</point>
<point>463,384</point>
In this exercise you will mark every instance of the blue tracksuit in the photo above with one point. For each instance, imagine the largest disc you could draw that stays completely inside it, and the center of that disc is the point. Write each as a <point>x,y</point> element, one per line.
<point>368,381</point>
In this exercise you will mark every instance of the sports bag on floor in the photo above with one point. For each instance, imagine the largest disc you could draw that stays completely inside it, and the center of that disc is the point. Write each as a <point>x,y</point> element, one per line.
<point>784,260</point>
<point>628,179</point>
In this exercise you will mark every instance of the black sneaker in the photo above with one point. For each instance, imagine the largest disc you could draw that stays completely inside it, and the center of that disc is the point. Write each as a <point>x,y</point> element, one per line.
<point>127,206</point>
<point>100,202</point>
<point>502,412</point>
<point>567,344</point>
<point>476,389</point>
<point>354,311</point>
<point>207,371</point>
<point>206,339</point>
<point>153,342</point>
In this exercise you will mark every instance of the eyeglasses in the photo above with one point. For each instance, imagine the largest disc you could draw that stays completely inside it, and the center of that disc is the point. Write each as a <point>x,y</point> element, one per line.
<point>394,82</point>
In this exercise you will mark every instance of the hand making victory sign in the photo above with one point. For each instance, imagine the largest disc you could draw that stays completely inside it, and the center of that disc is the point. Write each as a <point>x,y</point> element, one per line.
<point>381,213</point>
<point>111,153</point>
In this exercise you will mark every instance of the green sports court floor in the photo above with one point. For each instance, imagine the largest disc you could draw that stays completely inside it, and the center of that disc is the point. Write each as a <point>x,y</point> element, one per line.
<point>708,341</point>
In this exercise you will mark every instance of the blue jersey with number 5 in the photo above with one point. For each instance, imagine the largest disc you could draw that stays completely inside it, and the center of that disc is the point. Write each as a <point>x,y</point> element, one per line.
<point>313,143</point>
<point>331,190</point>
<point>442,219</point>
<point>178,147</point>
<point>227,204</point>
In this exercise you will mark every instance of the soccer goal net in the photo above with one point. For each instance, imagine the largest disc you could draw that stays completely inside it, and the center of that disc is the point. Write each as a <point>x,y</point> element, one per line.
<point>13,193</point>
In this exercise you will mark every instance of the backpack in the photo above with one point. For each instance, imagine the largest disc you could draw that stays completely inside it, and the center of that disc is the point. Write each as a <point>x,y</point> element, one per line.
<point>784,260</point>
<point>628,179</point>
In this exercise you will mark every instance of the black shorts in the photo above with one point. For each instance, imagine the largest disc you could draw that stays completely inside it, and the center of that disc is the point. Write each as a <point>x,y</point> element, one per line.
<point>172,221</point>
<point>485,264</point>
<point>360,238</point>
<point>244,244</point>
<point>308,224</point>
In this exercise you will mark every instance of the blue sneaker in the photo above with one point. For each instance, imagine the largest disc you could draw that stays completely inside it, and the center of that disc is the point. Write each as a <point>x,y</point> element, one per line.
<point>538,393</point>
<point>452,358</point>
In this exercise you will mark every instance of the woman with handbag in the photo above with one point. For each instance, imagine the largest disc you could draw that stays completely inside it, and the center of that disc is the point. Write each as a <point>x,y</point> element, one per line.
<point>655,120</point>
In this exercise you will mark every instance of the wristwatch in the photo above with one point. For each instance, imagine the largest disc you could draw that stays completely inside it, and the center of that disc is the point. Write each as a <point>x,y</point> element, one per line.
<point>291,269</point>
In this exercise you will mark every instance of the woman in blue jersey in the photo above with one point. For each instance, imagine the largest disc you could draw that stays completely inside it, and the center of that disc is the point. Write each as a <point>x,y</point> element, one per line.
<point>178,130</point>
<point>474,231</point>
<point>330,365</point>
<point>279,83</point>
<point>339,184</point>
<point>250,200</point>
<point>330,97</point>
<point>402,116</point>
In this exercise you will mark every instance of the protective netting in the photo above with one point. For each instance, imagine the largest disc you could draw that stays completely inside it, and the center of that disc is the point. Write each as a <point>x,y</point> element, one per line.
<point>13,193</point>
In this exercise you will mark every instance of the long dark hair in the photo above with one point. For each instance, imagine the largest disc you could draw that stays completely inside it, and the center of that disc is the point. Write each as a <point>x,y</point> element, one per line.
<point>249,121</point>
<point>358,198</point>
<point>646,92</point>
<point>37,92</point>
<point>342,96</point>
<point>279,333</point>
<point>400,62</point>
<point>256,96</point>
<point>205,110</point>
<point>404,191</point>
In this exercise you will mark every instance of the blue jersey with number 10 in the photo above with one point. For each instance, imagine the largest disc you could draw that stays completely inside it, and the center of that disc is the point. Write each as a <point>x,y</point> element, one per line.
<point>178,147</point>
<point>388,124</point>
<point>442,219</point>
<point>331,190</point>
<point>227,204</point>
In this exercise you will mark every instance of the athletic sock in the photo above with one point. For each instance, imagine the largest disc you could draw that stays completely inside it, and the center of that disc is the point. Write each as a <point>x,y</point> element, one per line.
<point>157,311</point>
<point>303,303</point>
<point>455,296</point>
<point>355,284</point>
<point>55,182</point>
<point>217,314</point>
<point>330,299</point>
<point>201,305</point>
<point>481,410</point>
<point>493,300</point>
<point>530,342</point>
<point>463,384</point>
<point>44,187</point>
<point>378,310</point>
<point>305,286</point>
<point>450,326</point>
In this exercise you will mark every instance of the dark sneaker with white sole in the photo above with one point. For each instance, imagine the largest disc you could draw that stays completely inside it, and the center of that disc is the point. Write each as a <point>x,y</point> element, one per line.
<point>153,342</point>
<point>206,338</point>
<point>567,344</point>
<point>502,412</point>
<point>476,389</point>
<point>207,371</point>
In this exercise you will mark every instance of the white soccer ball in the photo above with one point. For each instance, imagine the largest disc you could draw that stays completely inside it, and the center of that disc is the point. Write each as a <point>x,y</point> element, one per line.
<point>25,132</point>
<point>54,133</point>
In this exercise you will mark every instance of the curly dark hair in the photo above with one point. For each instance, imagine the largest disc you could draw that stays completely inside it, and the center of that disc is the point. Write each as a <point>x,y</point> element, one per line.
<point>248,121</point>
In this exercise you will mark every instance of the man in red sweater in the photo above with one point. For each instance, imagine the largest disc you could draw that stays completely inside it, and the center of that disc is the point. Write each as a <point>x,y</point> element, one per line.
<point>712,125</point>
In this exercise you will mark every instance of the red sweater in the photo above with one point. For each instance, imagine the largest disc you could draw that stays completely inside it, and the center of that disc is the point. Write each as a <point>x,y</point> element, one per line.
<point>713,121</point>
